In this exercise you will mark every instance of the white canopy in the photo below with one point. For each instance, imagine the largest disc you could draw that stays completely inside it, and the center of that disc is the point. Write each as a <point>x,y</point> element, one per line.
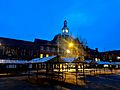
<point>88,61</point>
<point>4,61</point>
<point>68,59</point>
<point>38,60</point>
<point>98,62</point>
<point>115,63</point>
<point>102,62</point>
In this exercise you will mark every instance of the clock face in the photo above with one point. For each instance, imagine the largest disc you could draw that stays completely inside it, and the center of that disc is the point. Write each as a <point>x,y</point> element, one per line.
<point>63,30</point>
<point>66,30</point>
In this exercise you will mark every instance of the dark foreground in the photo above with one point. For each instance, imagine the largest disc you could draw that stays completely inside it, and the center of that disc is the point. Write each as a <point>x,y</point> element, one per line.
<point>103,82</point>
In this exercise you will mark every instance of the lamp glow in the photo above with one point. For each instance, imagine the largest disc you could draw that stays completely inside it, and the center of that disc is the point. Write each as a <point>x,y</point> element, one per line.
<point>68,51</point>
<point>70,44</point>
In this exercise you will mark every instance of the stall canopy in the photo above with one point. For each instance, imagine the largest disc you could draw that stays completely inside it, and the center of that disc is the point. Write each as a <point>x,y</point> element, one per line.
<point>97,62</point>
<point>103,63</point>
<point>40,60</point>
<point>69,59</point>
<point>115,63</point>
<point>88,61</point>
<point>3,61</point>
<point>36,60</point>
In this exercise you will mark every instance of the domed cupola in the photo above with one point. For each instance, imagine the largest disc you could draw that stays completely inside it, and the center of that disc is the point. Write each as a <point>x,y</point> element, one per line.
<point>65,29</point>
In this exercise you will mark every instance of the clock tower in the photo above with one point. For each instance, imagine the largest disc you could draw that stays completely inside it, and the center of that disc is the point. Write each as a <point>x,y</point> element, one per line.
<point>65,29</point>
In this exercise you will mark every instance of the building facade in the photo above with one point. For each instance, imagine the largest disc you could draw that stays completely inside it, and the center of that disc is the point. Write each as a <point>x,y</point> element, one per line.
<point>63,44</point>
<point>111,56</point>
<point>19,49</point>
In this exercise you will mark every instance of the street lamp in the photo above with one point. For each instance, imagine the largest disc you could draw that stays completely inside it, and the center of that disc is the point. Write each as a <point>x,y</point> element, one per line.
<point>70,44</point>
<point>68,51</point>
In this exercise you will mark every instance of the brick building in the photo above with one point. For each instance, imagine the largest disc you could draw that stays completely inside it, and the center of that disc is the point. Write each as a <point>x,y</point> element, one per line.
<point>63,44</point>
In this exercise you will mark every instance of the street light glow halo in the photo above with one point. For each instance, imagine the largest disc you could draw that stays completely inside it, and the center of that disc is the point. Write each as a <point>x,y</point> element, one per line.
<point>68,51</point>
<point>71,44</point>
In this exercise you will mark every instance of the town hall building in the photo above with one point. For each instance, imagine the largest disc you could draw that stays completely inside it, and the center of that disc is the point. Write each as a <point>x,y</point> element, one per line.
<point>63,44</point>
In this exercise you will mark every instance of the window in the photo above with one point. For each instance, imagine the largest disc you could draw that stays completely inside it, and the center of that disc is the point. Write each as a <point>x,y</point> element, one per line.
<point>47,49</point>
<point>47,55</point>
<point>41,48</point>
<point>41,55</point>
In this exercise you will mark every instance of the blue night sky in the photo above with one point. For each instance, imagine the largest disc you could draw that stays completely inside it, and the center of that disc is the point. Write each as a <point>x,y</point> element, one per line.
<point>97,21</point>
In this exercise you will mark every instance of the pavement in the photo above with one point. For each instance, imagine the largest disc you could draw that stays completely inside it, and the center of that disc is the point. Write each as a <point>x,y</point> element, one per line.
<point>95,82</point>
<point>103,82</point>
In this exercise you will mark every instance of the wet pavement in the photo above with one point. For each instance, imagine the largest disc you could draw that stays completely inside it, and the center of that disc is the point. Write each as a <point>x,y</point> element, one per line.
<point>102,82</point>
<point>17,84</point>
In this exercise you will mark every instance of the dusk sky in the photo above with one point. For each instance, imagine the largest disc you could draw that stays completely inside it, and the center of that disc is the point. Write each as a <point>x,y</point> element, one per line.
<point>97,21</point>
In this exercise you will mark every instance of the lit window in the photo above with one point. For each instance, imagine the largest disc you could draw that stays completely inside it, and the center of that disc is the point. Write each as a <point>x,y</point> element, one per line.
<point>118,57</point>
<point>96,59</point>
<point>47,55</point>
<point>105,65</point>
<point>41,55</point>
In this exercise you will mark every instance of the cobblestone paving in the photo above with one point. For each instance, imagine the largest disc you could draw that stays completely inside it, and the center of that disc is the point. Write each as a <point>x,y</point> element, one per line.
<point>102,82</point>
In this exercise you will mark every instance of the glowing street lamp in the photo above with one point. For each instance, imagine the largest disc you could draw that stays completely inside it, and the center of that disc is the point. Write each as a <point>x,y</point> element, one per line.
<point>70,44</point>
<point>68,51</point>
<point>0,44</point>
